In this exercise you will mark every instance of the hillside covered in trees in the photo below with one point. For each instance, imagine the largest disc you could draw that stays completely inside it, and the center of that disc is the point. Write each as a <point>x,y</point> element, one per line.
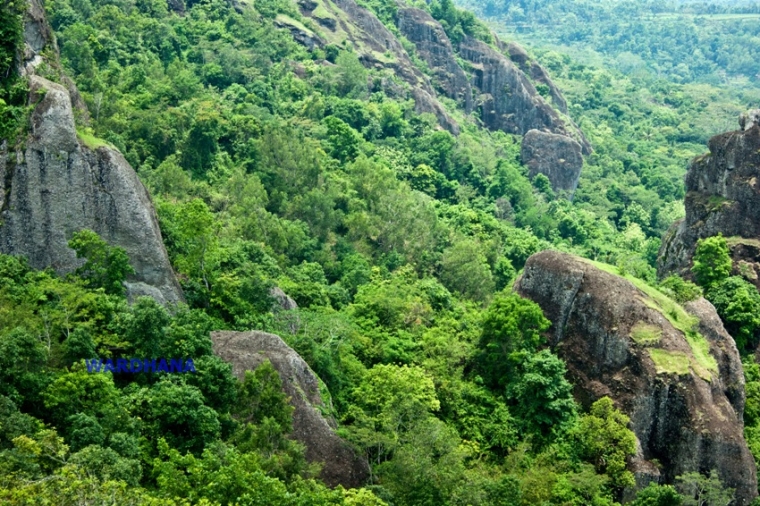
<point>357,200</point>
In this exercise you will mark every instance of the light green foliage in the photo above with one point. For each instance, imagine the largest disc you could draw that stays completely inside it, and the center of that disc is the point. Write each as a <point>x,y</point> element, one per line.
<point>645,334</point>
<point>105,266</point>
<point>699,490</point>
<point>606,442</point>
<point>712,261</point>
<point>670,362</point>
<point>270,166</point>
<point>680,290</point>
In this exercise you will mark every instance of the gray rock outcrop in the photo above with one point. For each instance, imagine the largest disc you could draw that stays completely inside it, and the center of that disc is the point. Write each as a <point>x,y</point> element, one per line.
<point>684,391</point>
<point>316,430</point>
<point>532,68</point>
<point>722,196</point>
<point>344,21</point>
<point>556,156</point>
<point>56,185</point>
<point>434,47</point>
<point>507,99</point>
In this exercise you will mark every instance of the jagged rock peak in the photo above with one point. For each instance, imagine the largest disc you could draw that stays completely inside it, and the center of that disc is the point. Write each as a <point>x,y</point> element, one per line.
<point>684,394</point>
<point>722,196</point>
<point>246,351</point>
<point>56,184</point>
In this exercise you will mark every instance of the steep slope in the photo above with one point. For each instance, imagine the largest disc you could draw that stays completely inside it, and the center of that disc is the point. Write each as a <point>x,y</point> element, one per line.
<point>58,183</point>
<point>675,371</point>
<point>501,93</point>
<point>722,196</point>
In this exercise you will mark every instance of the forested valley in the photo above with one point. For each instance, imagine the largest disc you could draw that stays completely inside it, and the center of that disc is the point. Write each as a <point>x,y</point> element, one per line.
<point>302,190</point>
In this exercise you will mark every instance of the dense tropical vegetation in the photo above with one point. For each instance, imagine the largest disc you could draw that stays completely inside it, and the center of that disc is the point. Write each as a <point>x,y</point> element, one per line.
<point>398,241</point>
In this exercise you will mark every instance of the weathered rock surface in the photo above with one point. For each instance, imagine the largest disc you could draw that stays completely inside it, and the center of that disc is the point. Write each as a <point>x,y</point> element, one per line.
<point>283,302</point>
<point>556,156</point>
<point>57,186</point>
<point>690,420</point>
<point>434,47</point>
<point>507,99</point>
<point>345,21</point>
<point>246,351</point>
<point>520,57</point>
<point>722,196</point>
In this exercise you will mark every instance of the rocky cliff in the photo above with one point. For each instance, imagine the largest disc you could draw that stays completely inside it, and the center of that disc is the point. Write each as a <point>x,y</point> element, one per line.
<point>477,76</point>
<point>56,183</point>
<point>722,196</point>
<point>311,424</point>
<point>675,371</point>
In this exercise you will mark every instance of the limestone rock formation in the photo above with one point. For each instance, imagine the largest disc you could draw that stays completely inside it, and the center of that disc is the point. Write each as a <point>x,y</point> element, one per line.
<point>246,351</point>
<point>57,185</point>
<point>434,47</point>
<point>556,156</point>
<point>507,99</point>
<point>674,371</point>
<point>722,196</point>
<point>532,68</point>
<point>345,21</point>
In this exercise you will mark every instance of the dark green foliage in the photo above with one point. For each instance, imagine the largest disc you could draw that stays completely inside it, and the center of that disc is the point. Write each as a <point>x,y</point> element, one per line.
<point>12,89</point>
<point>512,328</point>
<point>738,304</point>
<point>105,266</point>
<point>542,397</point>
<point>78,346</point>
<point>658,495</point>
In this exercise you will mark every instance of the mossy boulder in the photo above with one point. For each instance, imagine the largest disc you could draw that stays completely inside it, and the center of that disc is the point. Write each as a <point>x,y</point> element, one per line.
<point>673,369</point>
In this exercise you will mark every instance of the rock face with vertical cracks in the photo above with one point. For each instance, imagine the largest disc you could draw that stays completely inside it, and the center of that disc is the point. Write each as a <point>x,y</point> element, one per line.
<point>722,196</point>
<point>685,399</point>
<point>316,430</point>
<point>55,185</point>
<point>434,47</point>
<point>557,157</point>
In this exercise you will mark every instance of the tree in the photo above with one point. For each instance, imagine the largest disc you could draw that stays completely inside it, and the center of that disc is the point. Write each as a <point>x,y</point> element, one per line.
<point>105,267</point>
<point>700,490</point>
<point>738,304</point>
<point>658,495</point>
<point>712,261</point>
<point>464,269</point>
<point>512,328</point>
<point>606,442</point>
<point>542,398</point>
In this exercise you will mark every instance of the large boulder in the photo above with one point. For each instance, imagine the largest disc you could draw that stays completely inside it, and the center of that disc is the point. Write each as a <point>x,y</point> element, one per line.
<point>312,424</point>
<point>674,370</point>
<point>556,156</point>
<point>722,196</point>
<point>56,184</point>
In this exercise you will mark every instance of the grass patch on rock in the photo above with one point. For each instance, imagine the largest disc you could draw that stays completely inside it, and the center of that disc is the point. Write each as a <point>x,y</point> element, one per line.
<point>646,334</point>
<point>670,362</point>
<point>89,140</point>
<point>703,363</point>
